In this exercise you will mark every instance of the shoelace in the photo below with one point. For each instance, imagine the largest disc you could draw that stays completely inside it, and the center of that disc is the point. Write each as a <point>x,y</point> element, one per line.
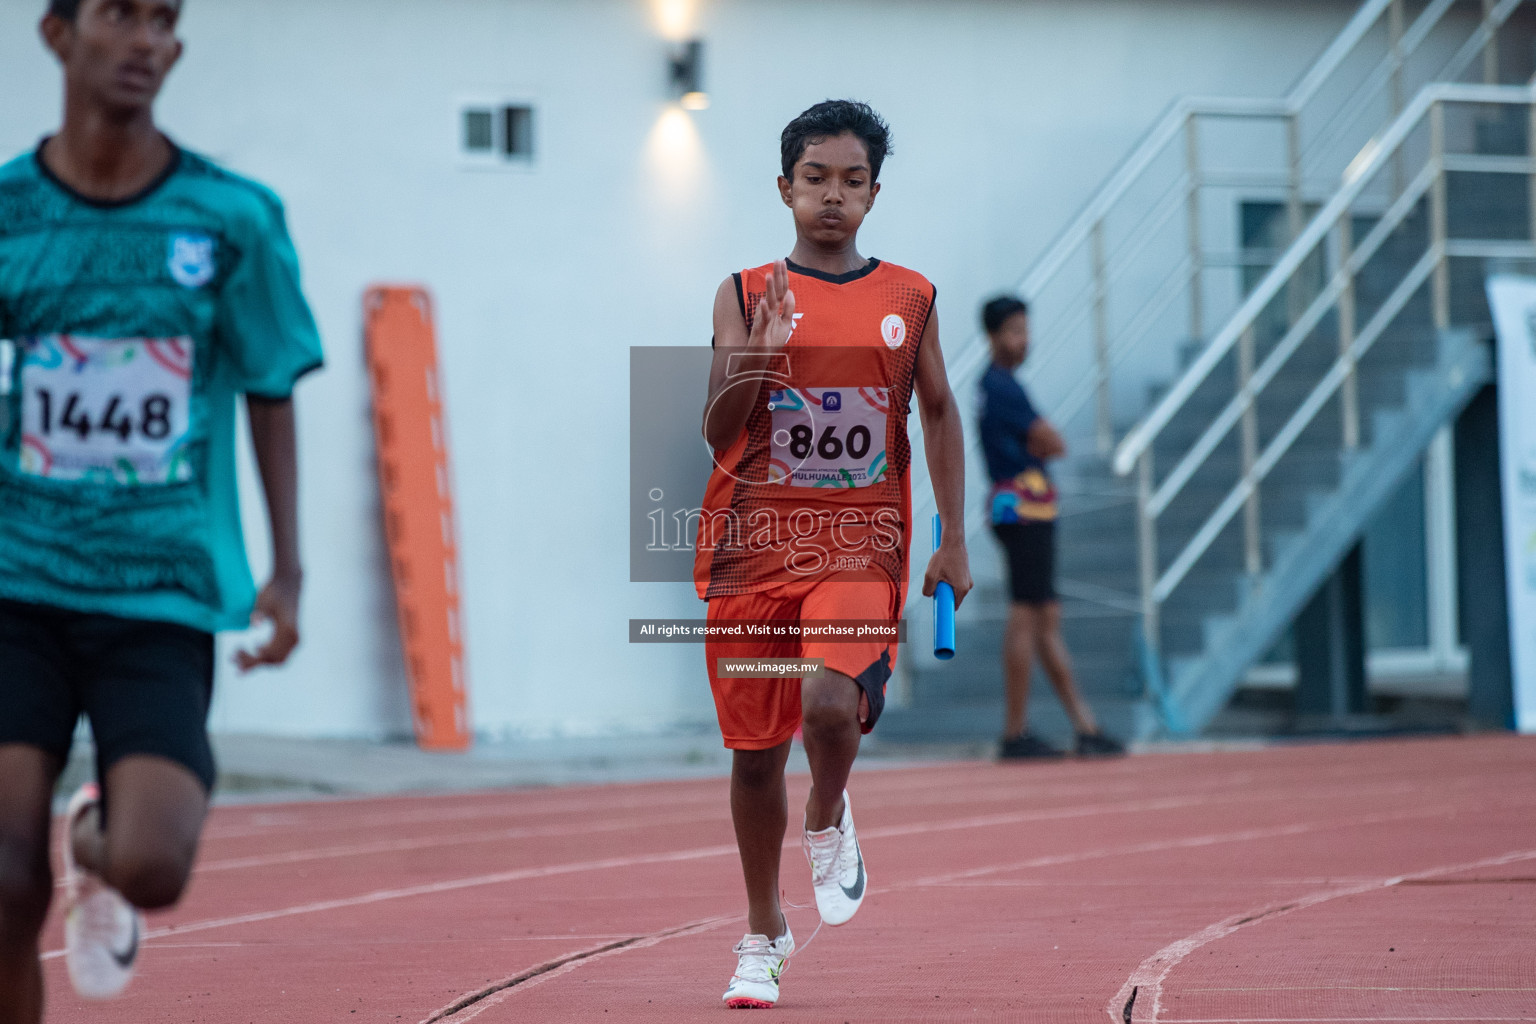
<point>833,865</point>
<point>754,965</point>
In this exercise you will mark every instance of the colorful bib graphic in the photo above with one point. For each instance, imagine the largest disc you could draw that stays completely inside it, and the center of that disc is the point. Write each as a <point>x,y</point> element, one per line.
<point>828,437</point>
<point>111,410</point>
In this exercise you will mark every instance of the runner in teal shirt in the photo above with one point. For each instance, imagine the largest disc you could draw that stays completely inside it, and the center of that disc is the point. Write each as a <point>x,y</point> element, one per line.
<point>132,326</point>
<point>143,290</point>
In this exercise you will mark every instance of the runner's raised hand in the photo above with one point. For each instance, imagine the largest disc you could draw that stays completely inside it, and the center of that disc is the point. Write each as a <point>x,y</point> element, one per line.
<point>775,318</point>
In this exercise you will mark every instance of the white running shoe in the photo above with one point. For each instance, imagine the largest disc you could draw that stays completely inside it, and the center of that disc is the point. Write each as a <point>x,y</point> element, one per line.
<point>837,868</point>
<point>755,985</point>
<point>101,929</point>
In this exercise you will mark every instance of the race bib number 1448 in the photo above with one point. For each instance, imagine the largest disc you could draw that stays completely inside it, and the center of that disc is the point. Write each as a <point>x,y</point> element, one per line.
<point>114,410</point>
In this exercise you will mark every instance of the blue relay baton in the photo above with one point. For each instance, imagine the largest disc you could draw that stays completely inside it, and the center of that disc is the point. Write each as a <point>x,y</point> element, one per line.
<point>943,607</point>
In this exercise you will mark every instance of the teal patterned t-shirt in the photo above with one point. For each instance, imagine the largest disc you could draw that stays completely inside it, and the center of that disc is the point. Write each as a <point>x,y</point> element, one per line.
<point>129,330</point>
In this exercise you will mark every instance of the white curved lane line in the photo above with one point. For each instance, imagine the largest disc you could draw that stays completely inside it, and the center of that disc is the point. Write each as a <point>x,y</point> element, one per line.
<point>1147,980</point>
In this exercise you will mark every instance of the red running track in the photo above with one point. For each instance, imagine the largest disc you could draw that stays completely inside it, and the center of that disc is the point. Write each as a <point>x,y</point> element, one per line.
<point>1387,881</point>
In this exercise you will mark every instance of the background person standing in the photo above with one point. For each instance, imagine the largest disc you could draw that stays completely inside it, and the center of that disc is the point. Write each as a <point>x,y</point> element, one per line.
<point>1022,508</point>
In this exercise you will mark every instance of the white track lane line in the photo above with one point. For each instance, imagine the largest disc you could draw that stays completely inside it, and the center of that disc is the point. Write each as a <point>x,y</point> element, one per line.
<point>1190,842</point>
<point>1242,836</point>
<point>430,889</point>
<point>1147,980</point>
<point>320,816</point>
<point>612,863</point>
<point>557,831</point>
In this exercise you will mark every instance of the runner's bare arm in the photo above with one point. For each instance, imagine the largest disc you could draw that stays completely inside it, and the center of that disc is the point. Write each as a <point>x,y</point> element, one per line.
<point>944,446</point>
<point>726,411</point>
<point>273,437</point>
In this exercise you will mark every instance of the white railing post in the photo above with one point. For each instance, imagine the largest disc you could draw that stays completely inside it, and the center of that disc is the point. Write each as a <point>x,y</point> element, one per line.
<point>1294,214</point>
<point>1530,151</point>
<point>1349,392</point>
<point>1105,428</point>
<point>1196,259</point>
<point>1440,287</point>
<point>1491,47</point>
<point>1253,551</point>
<point>1395,36</point>
<point>1146,535</point>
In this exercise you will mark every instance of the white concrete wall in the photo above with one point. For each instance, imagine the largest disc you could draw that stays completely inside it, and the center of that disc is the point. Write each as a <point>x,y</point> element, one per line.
<point>1005,116</point>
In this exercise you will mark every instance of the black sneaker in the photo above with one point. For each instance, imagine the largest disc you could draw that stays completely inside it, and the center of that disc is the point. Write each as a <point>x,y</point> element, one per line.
<point>1096,744</point>
<point>1027,745</point>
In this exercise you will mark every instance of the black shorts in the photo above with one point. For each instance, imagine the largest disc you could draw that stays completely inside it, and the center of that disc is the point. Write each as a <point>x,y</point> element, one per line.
<point>1031,549</point>
<point>145,686</point>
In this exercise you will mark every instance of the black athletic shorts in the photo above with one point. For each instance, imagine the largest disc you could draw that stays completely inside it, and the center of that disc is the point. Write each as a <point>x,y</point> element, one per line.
<point>144,685</point>
<point>1031,549</point>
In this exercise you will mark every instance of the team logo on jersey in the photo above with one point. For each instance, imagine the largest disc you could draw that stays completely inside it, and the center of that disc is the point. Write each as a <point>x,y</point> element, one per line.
<point>191,262</point>
<point>893,330</point>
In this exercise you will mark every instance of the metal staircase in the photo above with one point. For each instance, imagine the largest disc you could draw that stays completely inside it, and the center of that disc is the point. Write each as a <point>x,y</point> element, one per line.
<point>1200,515</point>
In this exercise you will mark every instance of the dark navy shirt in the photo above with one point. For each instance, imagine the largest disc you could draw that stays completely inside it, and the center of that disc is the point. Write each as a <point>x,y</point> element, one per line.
<point>1021,488</point>
<point>1006,416</point>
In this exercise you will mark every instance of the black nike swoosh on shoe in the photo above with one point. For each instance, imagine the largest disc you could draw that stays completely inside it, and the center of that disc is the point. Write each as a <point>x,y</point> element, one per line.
<point>125,959</point>
<point>855,891</point>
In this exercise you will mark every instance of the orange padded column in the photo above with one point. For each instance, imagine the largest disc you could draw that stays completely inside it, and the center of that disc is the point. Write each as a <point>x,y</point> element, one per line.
<point>418,509</point>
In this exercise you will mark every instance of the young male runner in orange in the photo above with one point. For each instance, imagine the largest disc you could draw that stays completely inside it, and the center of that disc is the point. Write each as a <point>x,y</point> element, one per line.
<point>807,515</point>
<point>142,289</point>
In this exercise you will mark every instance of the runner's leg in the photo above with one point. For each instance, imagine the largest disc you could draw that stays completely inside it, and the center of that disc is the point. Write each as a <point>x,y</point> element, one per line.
<point>147,689</point>
<point>146,850</point>
<point>1018,664</point>
<point>829,708</point>
<point>1058,666</point>
<point>26,877</point>
<point>760,812</point>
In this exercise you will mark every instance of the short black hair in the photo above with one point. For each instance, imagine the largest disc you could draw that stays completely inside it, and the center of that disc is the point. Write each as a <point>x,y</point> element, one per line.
<point>829,119</point>
<point>69,10</point>
<point>996,312</point>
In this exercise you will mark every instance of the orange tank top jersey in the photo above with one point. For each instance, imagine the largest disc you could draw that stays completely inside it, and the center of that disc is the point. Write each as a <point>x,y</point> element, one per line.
<point>818,483</point>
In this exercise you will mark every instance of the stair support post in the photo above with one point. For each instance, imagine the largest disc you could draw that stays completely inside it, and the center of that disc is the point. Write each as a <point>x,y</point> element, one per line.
<point>1293,211</point>
<point>1196,258</point>
<point>1491,47</point>
<point>1330,646</point>
<point>1105,428</point>
<point>1146,535</point>
<point>1349,389</point>
<point>1295,220</point>
<point>1253,552</point>
<point>1530,149</point>
<point>1395,40</point>
<point>1440,291</point>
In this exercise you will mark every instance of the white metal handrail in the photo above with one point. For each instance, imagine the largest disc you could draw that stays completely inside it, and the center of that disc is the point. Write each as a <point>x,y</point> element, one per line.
<point>1136,452</point>
<point>1174,121</point>
<point>1122,268</point>
<point>1141,437</point>
<point>967,359</point>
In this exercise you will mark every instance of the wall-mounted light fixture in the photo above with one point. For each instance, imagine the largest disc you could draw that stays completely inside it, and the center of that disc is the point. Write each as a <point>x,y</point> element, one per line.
<point>687,68</point>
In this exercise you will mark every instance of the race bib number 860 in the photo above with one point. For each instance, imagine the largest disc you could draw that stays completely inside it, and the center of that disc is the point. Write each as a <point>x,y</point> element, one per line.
<point>114,410</point>
<point>828,437</point>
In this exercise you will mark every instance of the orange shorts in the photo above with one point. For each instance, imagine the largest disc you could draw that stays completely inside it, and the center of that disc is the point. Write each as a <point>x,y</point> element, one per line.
<point>756,714</point>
